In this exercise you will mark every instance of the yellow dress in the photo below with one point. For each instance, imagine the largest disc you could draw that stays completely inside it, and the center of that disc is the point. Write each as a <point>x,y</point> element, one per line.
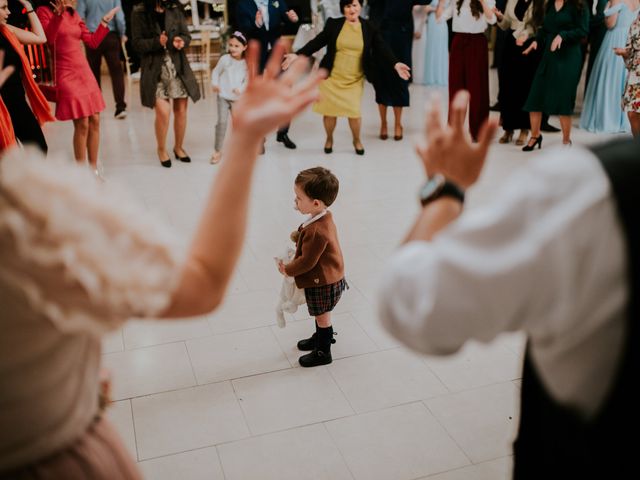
<point>341,93</point>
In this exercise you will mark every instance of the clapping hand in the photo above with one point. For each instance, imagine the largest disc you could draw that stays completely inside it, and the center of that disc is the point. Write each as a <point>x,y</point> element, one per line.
<point>110,14</point>
<point>27,5</point>
<point>271,100</point>
<point>292,16</point>
<point>621,52</point>
<point>499,14</point>
<point>289,58</point>
<point>259,19</point>
<point>163,39</point>
<point>281,267</point>
<point>404,72</point>
<point>533,46</point>
<point>520,41</point>
<point>556,44</point>
<point>448,150</point>
<point>178,43</point>
<point>6,71</point>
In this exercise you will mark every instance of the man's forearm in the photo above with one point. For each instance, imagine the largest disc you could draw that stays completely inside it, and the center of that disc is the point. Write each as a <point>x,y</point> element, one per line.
<point>433,218</point>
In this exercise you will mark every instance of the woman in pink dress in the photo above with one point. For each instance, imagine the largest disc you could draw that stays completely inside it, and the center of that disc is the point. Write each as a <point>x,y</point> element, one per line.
<point>78,94</point>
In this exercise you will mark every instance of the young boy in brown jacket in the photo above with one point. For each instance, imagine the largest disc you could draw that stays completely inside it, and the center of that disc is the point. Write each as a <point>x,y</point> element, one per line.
<point>318,266</point>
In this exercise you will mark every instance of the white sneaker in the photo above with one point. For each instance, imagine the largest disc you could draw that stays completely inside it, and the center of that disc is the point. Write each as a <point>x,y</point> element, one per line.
<point>120,114</point>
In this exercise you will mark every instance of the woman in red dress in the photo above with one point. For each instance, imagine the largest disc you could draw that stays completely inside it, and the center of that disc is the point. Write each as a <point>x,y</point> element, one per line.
<point>78,94</point>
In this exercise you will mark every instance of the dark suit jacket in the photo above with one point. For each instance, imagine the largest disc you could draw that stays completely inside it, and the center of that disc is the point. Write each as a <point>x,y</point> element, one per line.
<point>375,55</point>
<point>246,18</point>
<point>145,34</point>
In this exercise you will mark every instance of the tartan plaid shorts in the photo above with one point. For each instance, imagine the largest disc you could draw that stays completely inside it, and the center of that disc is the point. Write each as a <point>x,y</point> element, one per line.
<point>323,299</point>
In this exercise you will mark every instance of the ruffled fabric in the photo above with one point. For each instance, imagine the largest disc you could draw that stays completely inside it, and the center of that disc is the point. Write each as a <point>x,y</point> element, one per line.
<point>83,253</point>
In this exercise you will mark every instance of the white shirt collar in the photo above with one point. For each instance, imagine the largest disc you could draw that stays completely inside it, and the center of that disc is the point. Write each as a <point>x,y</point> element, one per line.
<point>314,218</point>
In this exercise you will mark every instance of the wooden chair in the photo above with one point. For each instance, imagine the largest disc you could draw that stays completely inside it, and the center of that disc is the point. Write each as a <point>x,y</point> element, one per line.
<point>131,77</point>
<point>199,56</point>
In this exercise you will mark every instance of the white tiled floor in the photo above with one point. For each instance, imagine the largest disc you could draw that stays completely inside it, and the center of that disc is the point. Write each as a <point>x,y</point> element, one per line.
<point>222,397</point>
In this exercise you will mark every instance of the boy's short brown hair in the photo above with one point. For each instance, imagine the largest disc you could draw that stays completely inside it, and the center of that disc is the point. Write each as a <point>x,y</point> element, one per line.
<point>319,183</point>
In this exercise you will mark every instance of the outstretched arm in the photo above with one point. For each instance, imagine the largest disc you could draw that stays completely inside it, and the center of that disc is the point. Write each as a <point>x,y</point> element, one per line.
<point>269,101</point>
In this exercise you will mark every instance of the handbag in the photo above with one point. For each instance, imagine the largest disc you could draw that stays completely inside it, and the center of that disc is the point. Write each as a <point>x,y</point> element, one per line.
<point>43,64</point>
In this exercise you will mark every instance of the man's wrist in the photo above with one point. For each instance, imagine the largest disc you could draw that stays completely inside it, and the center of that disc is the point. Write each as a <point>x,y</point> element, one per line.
<point>438,186</point>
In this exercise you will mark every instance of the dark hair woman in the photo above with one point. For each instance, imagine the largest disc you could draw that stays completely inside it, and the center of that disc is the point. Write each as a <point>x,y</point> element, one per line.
<point>555,83</point>
<point>25,121</point>
<point>521,20</point>
<point>355,50</point>
<point>394,18</point>
<point>160,35</point>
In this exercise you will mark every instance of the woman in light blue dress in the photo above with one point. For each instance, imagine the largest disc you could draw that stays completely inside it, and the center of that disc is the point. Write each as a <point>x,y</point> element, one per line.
<point>602,110</point>
<point>436,64</point>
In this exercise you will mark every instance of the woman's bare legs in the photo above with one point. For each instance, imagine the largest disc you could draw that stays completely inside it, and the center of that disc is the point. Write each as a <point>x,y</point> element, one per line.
<point>329,127</point>
<point>397,114</point>
<point>80,135</point>
<point>382,109</point>
<point>354,124</point>
<point>634,120</point>
<point>565,125</point>
<point>179,124</point>
<point>535,118</point>
<point>163,112</point>
<point>93,140</point>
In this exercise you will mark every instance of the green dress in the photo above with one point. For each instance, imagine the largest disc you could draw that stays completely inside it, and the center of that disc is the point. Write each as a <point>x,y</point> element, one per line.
<point>556,80</point>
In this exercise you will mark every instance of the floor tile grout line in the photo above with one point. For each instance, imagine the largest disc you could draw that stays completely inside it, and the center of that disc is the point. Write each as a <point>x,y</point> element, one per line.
<point>333,441</point>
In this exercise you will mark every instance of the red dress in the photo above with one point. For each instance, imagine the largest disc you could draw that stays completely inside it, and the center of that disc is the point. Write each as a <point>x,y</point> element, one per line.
<point>78,92</point>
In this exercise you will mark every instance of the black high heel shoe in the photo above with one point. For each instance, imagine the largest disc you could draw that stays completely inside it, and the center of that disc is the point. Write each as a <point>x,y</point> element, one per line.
<point>529,147</point>
<point>185,159</point>
<point>359,151</point>
<point>166,163</point>
<point>328,149</point>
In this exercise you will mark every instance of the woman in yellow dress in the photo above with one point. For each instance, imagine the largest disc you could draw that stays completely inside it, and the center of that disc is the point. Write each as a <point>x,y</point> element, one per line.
<point>355,50</point>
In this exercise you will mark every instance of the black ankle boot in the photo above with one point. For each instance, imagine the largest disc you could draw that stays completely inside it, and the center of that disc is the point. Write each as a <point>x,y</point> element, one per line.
<point>310,343</point>
<point>321,355</point>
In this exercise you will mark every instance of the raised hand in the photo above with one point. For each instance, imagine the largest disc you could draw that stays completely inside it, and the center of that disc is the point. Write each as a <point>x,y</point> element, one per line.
<point>110,14</point>
<point>163,39</point>
<point>271,100</point>
<point>448,150</point>
<point>556,44</point>
<point>26,5</point>
<point>58,6</point>
<point>5,72</point>
<point>404,72</point>
<point>533,46</point>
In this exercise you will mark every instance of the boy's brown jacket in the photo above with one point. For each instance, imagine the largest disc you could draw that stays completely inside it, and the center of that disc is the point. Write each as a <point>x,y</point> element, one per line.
<point>318,259</point>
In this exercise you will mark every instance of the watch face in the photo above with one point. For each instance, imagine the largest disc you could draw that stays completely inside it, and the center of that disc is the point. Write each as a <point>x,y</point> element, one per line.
<point>431,188</point>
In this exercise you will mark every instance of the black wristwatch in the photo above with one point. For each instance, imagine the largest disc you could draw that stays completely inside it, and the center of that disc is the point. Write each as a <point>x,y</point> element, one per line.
<point>438,186</point>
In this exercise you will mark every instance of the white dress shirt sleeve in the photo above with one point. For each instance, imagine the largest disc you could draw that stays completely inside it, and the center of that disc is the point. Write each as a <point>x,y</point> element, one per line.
<point>546,256</point>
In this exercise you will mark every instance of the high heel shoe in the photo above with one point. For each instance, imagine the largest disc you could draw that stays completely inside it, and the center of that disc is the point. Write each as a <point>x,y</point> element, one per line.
<point>568,144</point>
<point>185,159</point>
<point>359,151</point>
<point>328,147</point>
<point>383,133</point>
<point>529,146</point>
<point>522,138</point>
<point>506,137</point>
<point>398,136</point>
<point>166,163</point>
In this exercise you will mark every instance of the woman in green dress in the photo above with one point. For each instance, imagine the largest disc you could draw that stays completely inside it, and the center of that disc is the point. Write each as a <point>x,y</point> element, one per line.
<point>554,86</point>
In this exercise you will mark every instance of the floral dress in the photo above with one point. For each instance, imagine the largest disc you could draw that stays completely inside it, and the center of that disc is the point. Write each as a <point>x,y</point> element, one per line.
<point>631,96</point>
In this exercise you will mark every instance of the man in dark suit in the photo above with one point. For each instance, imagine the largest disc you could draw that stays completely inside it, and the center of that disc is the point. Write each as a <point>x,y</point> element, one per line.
<point>263,20</point>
